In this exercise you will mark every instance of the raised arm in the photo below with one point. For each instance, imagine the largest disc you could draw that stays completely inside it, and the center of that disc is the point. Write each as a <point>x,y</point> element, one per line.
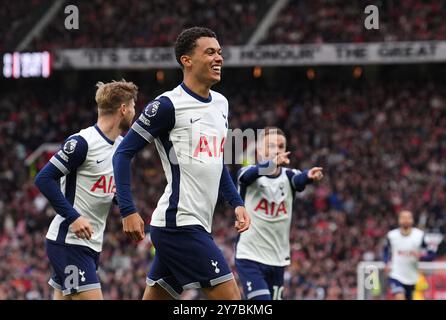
<point>299,180</point>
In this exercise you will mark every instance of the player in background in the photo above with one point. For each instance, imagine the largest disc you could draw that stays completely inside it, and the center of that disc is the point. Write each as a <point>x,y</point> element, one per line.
<point>263,251</point>
<point>78,182</point>
<point>403,249</point>
<point>189,126</point>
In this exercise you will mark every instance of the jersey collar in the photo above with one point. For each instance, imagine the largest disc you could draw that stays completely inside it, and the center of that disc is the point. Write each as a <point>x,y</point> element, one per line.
<point>275,176</point>
<point>103,135</point>
<point>196,96</point>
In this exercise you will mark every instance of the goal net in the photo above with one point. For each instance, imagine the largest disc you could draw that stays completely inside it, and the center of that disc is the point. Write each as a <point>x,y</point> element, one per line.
<point>373,282</point>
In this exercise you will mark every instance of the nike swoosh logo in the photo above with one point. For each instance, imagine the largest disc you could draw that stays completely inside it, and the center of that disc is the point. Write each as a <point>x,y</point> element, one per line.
<point>194,120</point>
<point>97,161</point>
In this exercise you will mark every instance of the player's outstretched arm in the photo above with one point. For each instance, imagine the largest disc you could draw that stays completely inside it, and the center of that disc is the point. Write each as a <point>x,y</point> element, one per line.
<point>315,174</point>
<point>248,175</point>
<point>299,179</point>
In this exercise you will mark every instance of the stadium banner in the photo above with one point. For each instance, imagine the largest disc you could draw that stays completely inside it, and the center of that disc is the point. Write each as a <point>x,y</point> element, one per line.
<point>267,55</point>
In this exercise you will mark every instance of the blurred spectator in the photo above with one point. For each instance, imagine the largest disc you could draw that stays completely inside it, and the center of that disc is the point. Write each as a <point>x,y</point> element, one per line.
<point>15,15</point>
<point>328,21</point>
<point>155,23</point>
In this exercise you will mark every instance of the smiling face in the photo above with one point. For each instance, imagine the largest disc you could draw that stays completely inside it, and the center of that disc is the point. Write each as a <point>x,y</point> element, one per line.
<point>273,144</point>
<point>205,61</point>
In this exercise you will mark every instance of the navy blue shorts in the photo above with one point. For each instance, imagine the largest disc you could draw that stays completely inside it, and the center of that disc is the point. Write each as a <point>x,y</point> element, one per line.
<point>186,258</point>
<point>397,287</point>
<point>260,281</point>
<point>74,267</point>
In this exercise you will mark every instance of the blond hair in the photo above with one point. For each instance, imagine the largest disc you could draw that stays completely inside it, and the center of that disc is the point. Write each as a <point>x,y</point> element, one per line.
<point>110,96</point>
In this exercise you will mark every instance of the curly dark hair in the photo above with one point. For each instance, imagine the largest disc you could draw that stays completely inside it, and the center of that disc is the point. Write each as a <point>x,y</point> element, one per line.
<point>186,41</point>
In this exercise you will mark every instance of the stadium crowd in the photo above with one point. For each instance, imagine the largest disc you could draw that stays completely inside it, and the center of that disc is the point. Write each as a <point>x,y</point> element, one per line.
<point>13,16</point>
<point>382,147</point>
<point>105,24</point>
<point>328,21</point>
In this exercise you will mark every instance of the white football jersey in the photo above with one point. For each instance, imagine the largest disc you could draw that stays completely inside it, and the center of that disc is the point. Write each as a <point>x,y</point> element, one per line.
<point>190,131</point>
<point>90,187</point>
<point>405,253</point>
<point>269,202</point>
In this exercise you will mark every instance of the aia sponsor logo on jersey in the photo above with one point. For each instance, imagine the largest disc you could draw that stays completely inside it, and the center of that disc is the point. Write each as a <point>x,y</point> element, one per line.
<point>210,147</point>
<point>104,184</point>
<point>408,253</point>
<point>271,209</point>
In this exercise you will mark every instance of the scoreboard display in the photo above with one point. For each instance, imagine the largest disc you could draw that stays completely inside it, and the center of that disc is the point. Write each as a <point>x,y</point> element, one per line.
<point>26,65</point>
